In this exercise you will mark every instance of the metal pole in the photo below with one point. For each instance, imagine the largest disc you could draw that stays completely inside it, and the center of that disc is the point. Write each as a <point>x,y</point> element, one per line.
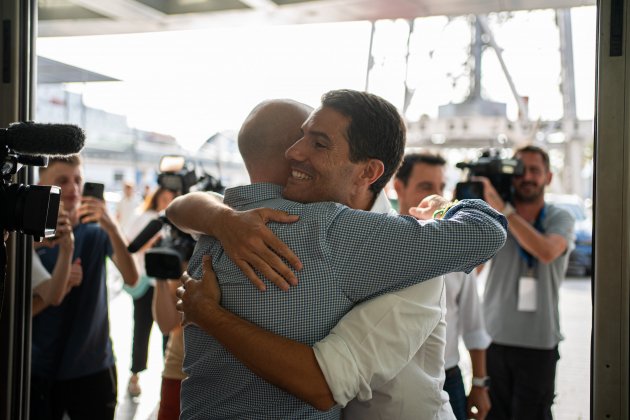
<point>16,104</point>
<point>522,106</point>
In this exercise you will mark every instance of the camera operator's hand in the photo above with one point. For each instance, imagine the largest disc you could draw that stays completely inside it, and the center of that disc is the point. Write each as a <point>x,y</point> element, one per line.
<point>253,246</point>
<point>490,194</point>
<point>196,297</point>
<point>428,206</point>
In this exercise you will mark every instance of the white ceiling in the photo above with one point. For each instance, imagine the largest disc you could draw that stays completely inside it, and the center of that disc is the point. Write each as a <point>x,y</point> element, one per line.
<point>92,17</point>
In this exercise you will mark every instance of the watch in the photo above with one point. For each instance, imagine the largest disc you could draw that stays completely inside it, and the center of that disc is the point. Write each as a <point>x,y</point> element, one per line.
<point>483,382</point>
<point>508,209</point>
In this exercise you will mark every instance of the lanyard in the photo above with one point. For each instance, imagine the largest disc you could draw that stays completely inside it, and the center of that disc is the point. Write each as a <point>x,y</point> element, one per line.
<point>538,225</point>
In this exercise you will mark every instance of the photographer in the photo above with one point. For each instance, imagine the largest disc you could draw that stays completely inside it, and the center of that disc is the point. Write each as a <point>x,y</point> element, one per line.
<point>521,295</point>
<point>73,369</point>
<point>142,293</point>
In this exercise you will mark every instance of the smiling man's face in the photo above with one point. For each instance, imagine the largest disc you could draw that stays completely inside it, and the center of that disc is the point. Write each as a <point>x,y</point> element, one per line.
<point>321,169</point>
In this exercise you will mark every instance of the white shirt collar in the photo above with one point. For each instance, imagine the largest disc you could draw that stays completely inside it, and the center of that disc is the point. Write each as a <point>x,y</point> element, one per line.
<point>382,204</point>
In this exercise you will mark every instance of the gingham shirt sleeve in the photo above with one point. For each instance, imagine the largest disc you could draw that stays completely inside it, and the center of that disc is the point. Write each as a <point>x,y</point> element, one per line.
<point>393,252</point>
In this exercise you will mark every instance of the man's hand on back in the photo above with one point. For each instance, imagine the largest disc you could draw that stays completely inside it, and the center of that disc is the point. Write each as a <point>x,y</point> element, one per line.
<point>253,247</point>
<point>196,297</point>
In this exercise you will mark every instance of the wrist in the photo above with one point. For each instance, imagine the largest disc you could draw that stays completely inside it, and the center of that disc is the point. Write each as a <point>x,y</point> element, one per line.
<point>508,210</point>
<point>439,213</point>
<point>482,382</point>
<point>219,220</point>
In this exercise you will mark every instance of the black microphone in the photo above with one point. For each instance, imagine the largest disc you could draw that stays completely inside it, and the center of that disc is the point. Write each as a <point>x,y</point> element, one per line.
<point>43,139</point>
<point>149,231</point>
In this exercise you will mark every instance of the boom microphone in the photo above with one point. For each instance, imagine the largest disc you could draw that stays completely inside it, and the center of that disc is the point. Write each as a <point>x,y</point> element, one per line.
<point>43,139</point>
<point>149,231</point>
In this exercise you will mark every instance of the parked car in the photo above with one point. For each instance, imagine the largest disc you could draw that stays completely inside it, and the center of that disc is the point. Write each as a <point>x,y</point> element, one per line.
<point>581,258</point>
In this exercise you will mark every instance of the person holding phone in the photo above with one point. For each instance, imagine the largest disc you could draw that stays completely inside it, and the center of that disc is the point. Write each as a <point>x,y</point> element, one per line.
<point>73,370</point>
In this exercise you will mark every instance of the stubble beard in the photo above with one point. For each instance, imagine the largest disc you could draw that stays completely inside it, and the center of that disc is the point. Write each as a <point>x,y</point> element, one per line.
<point>529,198</point>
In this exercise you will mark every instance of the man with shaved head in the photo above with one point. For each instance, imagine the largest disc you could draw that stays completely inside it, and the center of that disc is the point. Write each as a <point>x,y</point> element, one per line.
<point>348,256</point>
<point>278,119</point>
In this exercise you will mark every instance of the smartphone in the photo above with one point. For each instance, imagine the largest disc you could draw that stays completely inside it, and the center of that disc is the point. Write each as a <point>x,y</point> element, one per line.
<point>94,189</point>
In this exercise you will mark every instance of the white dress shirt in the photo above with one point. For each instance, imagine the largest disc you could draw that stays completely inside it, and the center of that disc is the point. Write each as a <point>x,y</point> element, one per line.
<point>385,358</point>
<point>463,316</point>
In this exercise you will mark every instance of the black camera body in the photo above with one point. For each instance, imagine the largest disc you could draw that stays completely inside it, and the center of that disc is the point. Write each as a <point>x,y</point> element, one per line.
<point>167,257</point>
<point>33,209</point>
<point>498,170</point>
<point>28,209</point>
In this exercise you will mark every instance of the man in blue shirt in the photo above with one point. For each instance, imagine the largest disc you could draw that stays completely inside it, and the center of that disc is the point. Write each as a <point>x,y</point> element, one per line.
<point>73,369</point>
<point>348,255</point>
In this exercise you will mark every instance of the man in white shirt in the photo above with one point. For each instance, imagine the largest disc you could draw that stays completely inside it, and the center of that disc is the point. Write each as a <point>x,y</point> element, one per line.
<point>420,175</point>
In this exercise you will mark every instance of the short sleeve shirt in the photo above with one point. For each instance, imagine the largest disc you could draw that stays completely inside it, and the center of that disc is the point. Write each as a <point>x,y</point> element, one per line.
<point>72,340</point>
<point>538,329</point>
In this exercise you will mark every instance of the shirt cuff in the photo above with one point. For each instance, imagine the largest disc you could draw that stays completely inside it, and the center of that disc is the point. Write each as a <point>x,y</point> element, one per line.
<point>340,370</point>
<point>476,340</point>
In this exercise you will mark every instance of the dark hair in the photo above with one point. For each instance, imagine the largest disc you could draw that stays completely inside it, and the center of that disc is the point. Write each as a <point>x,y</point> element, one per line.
<point>404,172</point>
<point>376,130</point>
<point>535,149</point>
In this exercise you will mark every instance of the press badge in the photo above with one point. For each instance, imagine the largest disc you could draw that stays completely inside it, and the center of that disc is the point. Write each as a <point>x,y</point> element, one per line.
<point>527,293</point>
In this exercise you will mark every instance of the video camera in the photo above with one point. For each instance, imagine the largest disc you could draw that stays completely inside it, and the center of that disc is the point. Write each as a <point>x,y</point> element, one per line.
<point>497,169</point>
<point>32,209</point>
<point>165,259</point>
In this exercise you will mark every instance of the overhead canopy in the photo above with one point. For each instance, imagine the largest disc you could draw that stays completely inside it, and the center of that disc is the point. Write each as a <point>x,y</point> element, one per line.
<point>51,71</point>
<point>89,17</point>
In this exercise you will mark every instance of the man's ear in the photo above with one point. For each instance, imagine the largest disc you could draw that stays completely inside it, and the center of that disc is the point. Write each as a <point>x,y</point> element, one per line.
<point>372,170</point>
<point>549,178</point>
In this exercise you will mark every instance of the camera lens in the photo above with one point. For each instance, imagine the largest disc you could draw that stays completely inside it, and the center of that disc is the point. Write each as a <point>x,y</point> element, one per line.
<point>30,209</point>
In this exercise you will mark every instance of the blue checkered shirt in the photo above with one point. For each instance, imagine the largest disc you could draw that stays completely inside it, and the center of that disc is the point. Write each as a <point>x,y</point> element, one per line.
<point>348,256</point>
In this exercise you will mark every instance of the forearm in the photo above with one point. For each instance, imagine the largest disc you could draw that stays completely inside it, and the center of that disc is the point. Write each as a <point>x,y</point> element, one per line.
<point>285,363</point>
<point>121,257</point>
<point>57,285</point>
<point>38,305</point>
<point>478,361</point>
<point>184,212</point>
<point>164,311</point>
<point>541,246</point>
<point>478,401</point>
